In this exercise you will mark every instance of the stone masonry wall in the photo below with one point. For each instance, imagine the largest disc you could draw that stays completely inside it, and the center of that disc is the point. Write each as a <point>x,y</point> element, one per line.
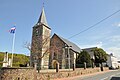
<point>31,74</point>
<point>17,74</point>
<point>56,51</point>
<point>64,74</point>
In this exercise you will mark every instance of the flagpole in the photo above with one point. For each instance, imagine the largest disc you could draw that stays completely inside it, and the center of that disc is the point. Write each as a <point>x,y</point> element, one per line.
<point>13,45</point>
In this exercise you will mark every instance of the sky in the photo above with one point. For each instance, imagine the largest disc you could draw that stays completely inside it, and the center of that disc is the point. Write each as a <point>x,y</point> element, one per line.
<point>65,18</point>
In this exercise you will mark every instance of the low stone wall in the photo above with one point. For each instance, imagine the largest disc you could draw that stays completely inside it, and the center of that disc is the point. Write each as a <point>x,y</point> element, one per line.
<point>105,68</point>
<point>78,71</point>
<point>31,74</point>
<point>17,74</point>
<point>48,76</point>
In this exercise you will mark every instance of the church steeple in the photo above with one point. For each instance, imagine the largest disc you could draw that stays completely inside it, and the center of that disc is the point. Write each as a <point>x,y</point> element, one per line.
<point>41,42</point>
<point>42,18</point>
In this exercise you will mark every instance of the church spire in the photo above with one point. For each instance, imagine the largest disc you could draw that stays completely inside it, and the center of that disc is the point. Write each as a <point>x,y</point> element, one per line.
<point>42,18</point>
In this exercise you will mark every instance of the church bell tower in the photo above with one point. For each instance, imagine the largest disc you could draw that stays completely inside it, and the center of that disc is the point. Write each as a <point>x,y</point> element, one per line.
<point>40,46</point>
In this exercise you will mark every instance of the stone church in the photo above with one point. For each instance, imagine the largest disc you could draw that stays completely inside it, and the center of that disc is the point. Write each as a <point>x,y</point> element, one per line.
<point>47,51</point>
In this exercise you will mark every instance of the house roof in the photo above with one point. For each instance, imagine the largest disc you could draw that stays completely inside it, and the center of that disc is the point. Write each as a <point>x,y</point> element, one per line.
<point>74,47</point>
<point>89,49</point>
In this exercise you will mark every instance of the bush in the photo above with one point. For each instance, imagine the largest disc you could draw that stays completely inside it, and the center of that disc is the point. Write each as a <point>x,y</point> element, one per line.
<point>88,65</point>
<point>84,56</point>
<point>23,65</point>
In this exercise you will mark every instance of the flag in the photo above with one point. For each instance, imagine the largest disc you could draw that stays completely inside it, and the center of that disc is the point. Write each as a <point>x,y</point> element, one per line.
<point>12,30</point>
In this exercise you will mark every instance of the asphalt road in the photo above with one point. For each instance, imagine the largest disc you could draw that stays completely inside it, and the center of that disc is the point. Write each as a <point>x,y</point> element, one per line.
<point>112,75</point>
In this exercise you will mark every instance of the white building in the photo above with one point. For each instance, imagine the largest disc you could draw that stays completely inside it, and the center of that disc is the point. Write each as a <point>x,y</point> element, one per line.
<point>112,62</point>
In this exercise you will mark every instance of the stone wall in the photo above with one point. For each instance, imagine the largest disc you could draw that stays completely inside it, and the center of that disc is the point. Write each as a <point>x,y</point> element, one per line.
<point>17,74</point>
<point>56,51</point>
<point>64,74</point>
<point>31,74</point>
<point>40,45</point>
<point>60,53</point>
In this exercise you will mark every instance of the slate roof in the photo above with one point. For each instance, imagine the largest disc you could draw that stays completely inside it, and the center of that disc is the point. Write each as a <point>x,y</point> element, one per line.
<point>89,49</point>
<point>74,46</point>
<point>42,18</point>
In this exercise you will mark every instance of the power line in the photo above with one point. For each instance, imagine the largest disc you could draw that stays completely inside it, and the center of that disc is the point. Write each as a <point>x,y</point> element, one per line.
<point>95,24</point>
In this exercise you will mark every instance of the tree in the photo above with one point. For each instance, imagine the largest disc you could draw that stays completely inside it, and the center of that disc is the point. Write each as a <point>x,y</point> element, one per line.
<point>27,45</point>
<point>83,57</point>
<point>100,55</point>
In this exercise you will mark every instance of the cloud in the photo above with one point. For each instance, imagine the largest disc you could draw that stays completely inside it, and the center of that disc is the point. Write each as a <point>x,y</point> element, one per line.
<point>114,50</point>
<point>98,44</point>
<point>117,24</point>
<point>115,38</point>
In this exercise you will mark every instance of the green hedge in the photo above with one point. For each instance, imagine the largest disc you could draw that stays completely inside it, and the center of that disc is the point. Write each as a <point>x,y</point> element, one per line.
<point>82,65</point>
